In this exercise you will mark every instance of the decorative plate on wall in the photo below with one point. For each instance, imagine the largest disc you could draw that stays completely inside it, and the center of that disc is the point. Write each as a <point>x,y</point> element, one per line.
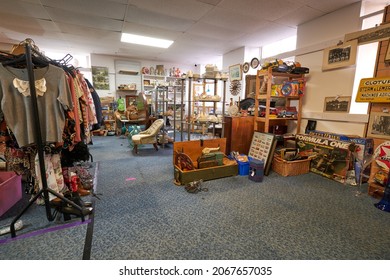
<point>255,62</point>
<point>245,67</point>
<point>145,70</point>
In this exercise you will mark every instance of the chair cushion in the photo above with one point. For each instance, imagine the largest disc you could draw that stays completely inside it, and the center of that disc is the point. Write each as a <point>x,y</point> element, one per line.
<point>143,139</point>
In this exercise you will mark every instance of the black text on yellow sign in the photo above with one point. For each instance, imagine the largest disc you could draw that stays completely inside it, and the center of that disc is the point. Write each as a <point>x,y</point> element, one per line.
<point>375,90</point>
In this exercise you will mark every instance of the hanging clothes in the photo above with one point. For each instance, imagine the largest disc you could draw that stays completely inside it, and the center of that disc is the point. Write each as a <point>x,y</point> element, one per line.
<point>53,98</point>
<point>76,111</point>
<point>54,177</point>
<point>98,105</point>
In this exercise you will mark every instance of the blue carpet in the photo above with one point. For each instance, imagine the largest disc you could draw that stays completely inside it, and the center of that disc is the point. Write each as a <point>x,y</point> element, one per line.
<point>142,214</point>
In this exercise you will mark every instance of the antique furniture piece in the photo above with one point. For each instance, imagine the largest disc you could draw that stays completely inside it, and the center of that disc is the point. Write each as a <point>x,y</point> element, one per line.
<point>238,133</point>
<point>148,136</point>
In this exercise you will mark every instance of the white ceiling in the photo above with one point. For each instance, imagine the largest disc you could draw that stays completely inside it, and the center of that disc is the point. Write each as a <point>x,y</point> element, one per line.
<point>202,29</point>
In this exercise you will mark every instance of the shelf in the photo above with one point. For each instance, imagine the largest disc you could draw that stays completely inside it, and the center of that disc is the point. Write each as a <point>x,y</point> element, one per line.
<point>280,74</point>
<point>265,96</point>
<point>154,76</point>
<point>128,90</point>
<point>128,72</point>
<point>268,77</point>
<point>263,119</point>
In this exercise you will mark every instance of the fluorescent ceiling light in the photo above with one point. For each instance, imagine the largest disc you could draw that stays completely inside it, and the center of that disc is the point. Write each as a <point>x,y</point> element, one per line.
<point>147,41</point>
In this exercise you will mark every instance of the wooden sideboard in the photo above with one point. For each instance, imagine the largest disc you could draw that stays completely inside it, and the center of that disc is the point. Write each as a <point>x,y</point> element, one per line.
<point>238,133</point>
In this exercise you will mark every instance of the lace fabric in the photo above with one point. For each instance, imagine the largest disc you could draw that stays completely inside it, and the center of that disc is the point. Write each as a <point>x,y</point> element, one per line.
<point>24,87</point>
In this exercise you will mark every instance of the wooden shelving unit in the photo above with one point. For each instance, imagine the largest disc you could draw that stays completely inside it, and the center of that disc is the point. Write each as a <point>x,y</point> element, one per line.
<point>265,122</point>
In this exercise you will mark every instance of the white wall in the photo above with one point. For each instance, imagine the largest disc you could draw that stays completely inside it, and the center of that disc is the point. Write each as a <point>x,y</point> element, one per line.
<point>324,31</point>
<point>109,61</point>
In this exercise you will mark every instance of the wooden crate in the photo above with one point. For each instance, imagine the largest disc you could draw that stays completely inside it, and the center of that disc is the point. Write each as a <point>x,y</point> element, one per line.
<point>194,149</point>
<point>290,168</point>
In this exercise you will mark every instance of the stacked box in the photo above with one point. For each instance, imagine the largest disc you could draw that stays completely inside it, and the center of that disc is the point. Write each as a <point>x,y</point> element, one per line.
<point>10,190</point>
<point>256,170</point>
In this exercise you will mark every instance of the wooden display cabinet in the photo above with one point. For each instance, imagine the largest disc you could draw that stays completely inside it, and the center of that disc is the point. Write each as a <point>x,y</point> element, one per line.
<point>238,133</point>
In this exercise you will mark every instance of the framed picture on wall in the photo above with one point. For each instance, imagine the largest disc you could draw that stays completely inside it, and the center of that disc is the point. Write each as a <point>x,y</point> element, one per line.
<point>235,72</point>
<point>337,104</point>
<point>100,77</point>
<point>387,56</point>
<point>379,125</point>
<point>339,56</point>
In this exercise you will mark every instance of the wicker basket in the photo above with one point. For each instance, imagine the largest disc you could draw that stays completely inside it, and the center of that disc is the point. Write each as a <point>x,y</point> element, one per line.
<point>290,168</point>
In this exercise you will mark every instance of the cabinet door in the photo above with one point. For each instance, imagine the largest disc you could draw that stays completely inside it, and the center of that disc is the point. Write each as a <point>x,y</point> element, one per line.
<point>239,133</point>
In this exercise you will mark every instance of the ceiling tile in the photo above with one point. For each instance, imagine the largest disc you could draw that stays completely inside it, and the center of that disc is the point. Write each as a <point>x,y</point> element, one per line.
<point>154,19</point>
<point>189,9</point>
<point>329,5</point>
<point>21,8</point>
<point>299,16</point>
<point>101,8</point>
<point>26,26</point>
<point>230,19</point>
<point>84,20</point>
<point>271,33</point>
<point>212,31</point>
<point>202,29</point>
<point>211,2</point>
<point>263,9</point>
<point>140,29</point>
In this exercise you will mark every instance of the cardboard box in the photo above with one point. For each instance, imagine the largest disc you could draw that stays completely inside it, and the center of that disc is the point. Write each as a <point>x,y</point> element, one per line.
<point>10,190</point>
<point>333,156</point>
<point>192,150</point>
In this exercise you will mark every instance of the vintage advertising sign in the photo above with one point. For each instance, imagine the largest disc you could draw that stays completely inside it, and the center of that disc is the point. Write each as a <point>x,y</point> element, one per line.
<point>374,90</point>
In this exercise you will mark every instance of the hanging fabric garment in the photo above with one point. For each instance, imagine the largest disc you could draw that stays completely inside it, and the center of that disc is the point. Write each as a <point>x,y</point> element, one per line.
<point>54,177</point>
<point>76,111</point>
<point>53,99</point>
<point>84,110</point>
<point>98,105</point>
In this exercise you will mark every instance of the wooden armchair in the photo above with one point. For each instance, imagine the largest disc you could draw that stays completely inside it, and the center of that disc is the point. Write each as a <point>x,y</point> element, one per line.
<point>148,136</point>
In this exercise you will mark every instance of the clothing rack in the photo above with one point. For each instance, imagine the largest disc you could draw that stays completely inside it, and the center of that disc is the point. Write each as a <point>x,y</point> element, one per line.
<point>40,147</point>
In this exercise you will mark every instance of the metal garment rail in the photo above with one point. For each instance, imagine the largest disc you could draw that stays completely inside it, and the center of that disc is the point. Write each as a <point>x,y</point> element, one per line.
<point>45,190</point>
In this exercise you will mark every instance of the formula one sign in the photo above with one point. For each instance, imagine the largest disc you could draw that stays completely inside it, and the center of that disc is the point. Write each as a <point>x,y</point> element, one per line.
<point>374,90</point>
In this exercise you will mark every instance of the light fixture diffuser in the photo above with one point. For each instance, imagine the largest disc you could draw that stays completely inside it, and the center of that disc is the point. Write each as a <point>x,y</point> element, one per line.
<point>146,41</point>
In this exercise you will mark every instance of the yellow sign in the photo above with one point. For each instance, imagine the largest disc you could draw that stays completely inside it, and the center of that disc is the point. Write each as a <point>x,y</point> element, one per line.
<point>375,90</point>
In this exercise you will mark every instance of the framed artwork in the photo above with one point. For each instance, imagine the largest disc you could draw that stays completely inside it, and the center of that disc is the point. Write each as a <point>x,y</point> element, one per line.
<point>262,148</point>
<point>337,104</point>
<point>235,72</point>
<point>340,56</point>
<point>387,56</point>
<point>379,125</point>
<point>250,86</point>
<point>100,77</point>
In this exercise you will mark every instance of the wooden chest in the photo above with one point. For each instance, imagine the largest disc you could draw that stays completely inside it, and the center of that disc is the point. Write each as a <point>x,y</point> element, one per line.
<point>192,150</point>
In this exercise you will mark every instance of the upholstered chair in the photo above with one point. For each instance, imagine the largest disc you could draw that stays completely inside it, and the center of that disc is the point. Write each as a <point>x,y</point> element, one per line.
<point>148,136</point>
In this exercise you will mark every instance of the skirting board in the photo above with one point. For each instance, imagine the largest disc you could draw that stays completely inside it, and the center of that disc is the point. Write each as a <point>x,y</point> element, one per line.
<point>341,117</point>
